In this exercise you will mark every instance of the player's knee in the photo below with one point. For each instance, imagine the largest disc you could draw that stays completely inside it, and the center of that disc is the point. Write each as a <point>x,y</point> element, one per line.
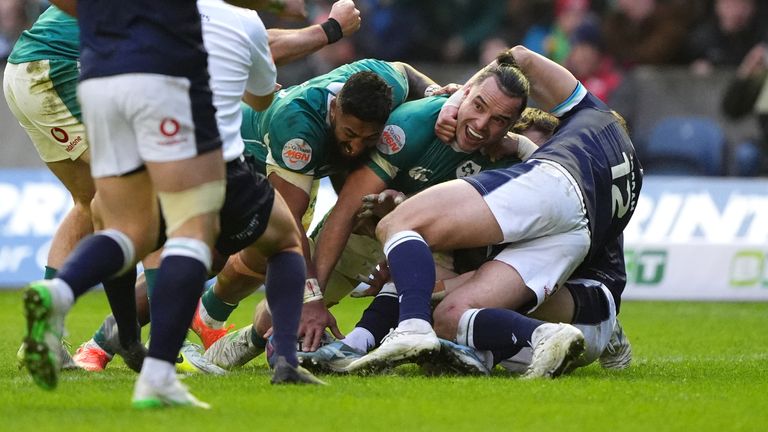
<point>446,319</point>
<point>179,208</point>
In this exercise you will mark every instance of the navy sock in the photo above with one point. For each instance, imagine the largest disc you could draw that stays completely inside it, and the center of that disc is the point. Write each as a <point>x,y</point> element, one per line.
<point>413,272</point>
<point>97,258</point>
<point>121,294</point>
<point>180,282</point>
<point>503,354</point>
<point>286,274</point>
<point>502,330</point>
<point>380,316</point>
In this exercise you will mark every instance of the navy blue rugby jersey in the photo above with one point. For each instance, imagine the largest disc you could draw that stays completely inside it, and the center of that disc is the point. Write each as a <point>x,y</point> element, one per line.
<point>141,36</point>
<point>595,149</point>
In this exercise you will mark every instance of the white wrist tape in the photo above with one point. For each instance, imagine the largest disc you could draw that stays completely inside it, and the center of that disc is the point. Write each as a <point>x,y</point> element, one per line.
<point>312,290</point>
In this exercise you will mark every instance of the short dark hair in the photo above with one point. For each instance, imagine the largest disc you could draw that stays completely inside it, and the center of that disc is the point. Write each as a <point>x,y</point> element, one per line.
<point>366,96</point>
<point>508,75</point>
<point>536,119</point>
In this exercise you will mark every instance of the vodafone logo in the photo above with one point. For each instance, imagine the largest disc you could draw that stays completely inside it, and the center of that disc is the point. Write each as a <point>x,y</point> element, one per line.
<point>59,135</point>
<point>169,127</point>
<point>296,153</point>
<point>392,140</point>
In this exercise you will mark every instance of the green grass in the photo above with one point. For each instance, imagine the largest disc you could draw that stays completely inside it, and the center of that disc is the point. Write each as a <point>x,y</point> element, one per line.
<point>697,366</point>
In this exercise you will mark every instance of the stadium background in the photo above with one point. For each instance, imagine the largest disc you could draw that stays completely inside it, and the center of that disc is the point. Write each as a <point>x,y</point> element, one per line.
<point>701,234</point>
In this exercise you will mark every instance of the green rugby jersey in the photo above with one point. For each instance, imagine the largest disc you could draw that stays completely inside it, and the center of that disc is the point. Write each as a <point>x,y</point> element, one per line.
<point>410,157</point>
<point>54,36</point>
<point>294,132</point>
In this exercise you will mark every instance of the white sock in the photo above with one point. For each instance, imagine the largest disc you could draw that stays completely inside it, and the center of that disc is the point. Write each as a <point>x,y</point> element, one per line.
<point>208,320</point>
<point>415,324</point>
<point>360,339</point>
<point>157,372</point>
<point>62,295</point>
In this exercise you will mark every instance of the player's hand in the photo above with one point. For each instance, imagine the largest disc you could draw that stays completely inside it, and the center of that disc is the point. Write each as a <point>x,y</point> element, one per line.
<point>754,62</point>
<point>445,128</point>
<point>381,204</point>
<point>375,281</point>
<point>315,317</point>
<point>447,90</point>
<point>348,16</point>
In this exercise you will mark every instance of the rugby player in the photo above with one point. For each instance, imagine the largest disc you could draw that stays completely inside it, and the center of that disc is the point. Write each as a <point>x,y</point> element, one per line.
<point>563,210</point>
<point>243,222</point>
<point>187,211</point>
<point>320,128</point>
<point>408,157</point>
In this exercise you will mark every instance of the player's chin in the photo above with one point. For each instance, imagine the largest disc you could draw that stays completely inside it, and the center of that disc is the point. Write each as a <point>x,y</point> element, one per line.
<point>468,145</point>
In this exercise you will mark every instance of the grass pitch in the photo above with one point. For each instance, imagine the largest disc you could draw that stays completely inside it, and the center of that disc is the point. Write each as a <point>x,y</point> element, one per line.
<point>697,366</point>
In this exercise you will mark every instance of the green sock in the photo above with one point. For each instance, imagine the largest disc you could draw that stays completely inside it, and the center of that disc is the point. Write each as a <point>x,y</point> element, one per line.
<point>215,308</point>
<point>151,276</point>
<point>50,273</point>
<point>257,340</point>
<point>100,337</point>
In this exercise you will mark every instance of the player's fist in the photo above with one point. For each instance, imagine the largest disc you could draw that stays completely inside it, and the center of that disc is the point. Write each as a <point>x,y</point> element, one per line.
<point>347,15</point>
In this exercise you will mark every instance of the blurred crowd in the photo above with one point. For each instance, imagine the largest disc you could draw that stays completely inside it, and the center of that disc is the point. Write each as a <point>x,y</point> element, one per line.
<point>600,41</point>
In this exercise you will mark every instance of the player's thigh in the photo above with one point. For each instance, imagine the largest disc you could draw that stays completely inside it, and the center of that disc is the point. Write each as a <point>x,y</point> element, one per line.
<point>281,234</point>
<point>531,200</point>
<point>128,204</point>
<point>75,175</point>
<point>449,215</point>
<point>493,285</point>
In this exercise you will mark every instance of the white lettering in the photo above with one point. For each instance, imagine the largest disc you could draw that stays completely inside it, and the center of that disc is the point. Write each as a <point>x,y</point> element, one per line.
<point>758,229</point>
<point>9,195</point>
<point>663,217</point>
<point>700,217</point>
<point>12,256</point>
<point>39,210</point>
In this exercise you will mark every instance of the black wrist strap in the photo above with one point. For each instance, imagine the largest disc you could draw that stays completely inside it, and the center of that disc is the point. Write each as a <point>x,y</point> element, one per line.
<point>332,30</point>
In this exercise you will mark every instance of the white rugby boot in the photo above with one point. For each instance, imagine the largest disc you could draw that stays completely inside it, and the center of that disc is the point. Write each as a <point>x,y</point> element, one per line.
<point>618,354</point>
<point>555,347</point>
<point>411,342</point>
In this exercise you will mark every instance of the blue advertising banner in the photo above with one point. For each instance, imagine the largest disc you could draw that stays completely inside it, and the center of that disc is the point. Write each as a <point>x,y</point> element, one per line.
<point>32,203</point>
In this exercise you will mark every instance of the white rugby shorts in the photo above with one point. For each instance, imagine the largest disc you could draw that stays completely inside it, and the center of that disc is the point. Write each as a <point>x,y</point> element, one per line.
<point>138,117</point>
<point>539,207</point>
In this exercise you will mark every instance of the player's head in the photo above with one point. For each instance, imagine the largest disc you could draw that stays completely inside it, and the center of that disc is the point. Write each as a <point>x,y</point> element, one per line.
<point>492,104</point>
<point>359,112</point>
<point>537,125</point>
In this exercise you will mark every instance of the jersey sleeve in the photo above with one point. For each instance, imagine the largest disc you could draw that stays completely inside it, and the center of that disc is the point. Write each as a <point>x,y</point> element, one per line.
<point>407,135</point>
<point>262,75</point>
<point>294,140</point>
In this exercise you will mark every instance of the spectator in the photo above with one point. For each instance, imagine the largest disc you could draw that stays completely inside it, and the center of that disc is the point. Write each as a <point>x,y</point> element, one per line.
<point>726,38</point>
<point>646,32</point>
<point>589,63</point>
<point>553,41</point>
<point>747,94</point>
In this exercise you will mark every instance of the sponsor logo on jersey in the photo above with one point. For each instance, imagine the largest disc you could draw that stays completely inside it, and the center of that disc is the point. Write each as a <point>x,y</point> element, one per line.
<point>468,168</point>
<point>59,135</point>
<point>392,140</point>
<point>296,153</point>
<point>420,174</point>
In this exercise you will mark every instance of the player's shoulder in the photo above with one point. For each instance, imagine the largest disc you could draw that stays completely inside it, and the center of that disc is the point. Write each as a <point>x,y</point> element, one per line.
<point>410,127</point>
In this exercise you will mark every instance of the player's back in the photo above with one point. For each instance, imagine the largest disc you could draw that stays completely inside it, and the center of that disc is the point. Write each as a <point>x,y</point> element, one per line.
<point>140,36</point>
<point>238,59</point>
<point>294,132</point>
<point>594,147</point>
<point>54,36</point>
